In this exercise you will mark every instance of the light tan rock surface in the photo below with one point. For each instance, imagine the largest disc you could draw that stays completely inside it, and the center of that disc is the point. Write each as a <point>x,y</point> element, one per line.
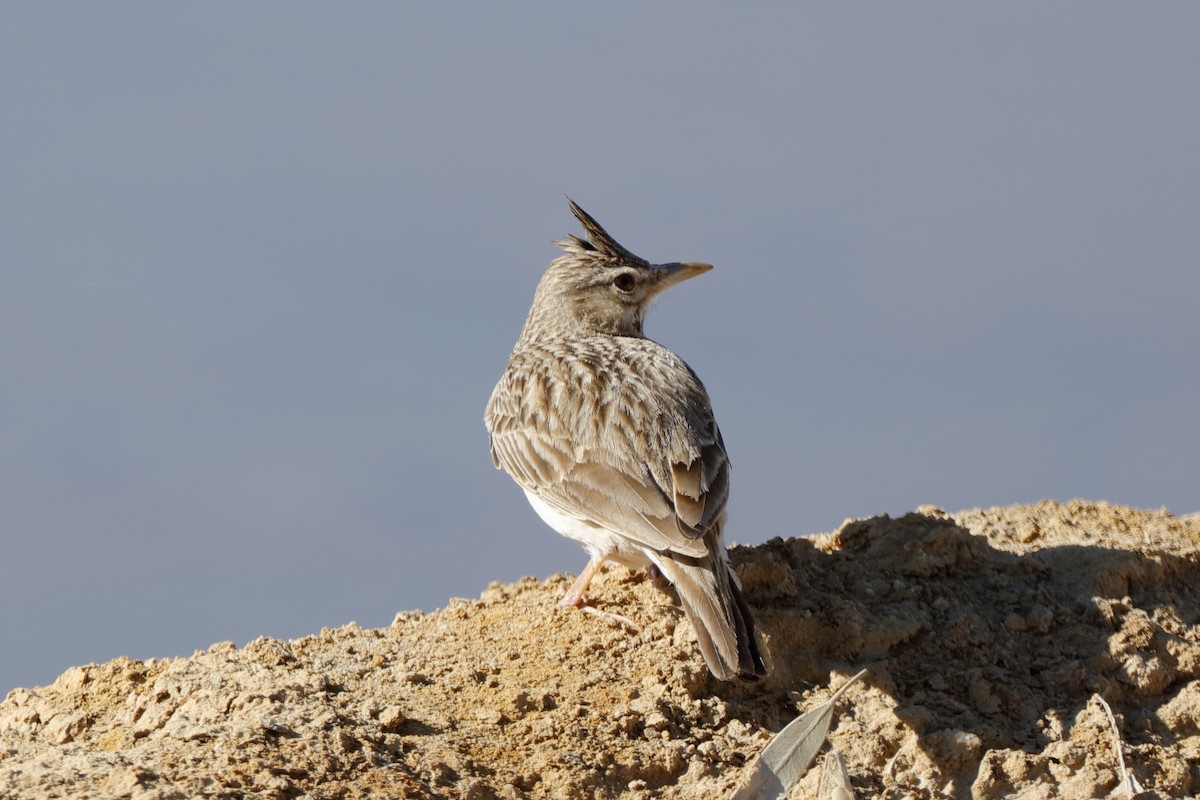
<point>986,633</point>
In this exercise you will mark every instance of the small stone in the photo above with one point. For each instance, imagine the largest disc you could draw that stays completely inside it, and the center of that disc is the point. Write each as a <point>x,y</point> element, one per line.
<point>655,721</point>
<point>980,692</point>
<point>442,774</point>
<point>1040,619</point>
<point>489,716</point>
<point>391,718</point>
<point>121,781</point>
<point>65,727</point>
<point>1148,674</point>
<point>73,679</point>
<point>476,789</point>
<point>529,701</point>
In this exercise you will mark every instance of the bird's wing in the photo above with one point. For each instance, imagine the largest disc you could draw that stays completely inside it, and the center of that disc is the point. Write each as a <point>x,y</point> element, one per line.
<point>700,480</point>
<point>589,487</point>
<point>603,472</point>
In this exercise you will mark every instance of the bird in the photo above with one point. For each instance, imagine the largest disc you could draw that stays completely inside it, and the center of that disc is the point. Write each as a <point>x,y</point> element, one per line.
<point>612,437</point>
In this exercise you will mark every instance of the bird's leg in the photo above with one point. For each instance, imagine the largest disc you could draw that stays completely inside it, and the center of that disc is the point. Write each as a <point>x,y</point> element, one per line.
<point>577,594</point>
<point>657,579</point>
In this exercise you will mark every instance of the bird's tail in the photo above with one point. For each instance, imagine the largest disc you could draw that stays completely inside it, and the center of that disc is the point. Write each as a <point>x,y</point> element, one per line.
<point>712,600</point>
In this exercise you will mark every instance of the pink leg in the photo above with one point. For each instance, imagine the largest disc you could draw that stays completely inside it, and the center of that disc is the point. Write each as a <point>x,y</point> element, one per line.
<point>577,594</point>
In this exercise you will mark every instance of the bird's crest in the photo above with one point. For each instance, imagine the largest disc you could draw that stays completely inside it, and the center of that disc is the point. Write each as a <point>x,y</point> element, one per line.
<point>598,242</point>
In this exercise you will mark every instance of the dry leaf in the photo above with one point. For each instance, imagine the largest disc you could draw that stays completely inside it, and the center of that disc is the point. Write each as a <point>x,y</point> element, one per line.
<point>1128,785</point>
<point>787,756</point>
<point>835,781</point>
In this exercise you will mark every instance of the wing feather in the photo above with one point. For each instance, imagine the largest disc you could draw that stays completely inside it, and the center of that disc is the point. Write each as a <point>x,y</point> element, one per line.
<point>596,465</point>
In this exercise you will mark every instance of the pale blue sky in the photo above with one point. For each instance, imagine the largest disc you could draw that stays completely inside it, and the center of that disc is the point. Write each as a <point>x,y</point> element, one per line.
<point>262,264</point>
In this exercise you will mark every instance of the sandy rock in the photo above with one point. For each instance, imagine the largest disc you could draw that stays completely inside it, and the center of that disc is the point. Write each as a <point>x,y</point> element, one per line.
<point>985,634</point>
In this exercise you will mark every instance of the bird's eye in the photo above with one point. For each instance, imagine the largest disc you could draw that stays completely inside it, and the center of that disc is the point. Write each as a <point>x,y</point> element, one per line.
<point>624,282</point>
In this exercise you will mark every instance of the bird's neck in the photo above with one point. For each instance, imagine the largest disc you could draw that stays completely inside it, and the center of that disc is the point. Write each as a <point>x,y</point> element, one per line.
<point>559,317</point>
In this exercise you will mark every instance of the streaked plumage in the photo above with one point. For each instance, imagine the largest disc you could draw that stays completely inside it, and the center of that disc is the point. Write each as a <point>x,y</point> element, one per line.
<point>612,437</point>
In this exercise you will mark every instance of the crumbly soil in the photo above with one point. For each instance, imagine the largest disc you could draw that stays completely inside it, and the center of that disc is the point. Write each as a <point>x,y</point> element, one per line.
<point>986,634</point>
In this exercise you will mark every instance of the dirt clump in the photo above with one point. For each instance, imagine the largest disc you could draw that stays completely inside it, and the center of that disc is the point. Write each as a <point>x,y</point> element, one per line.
<point>986,634</point>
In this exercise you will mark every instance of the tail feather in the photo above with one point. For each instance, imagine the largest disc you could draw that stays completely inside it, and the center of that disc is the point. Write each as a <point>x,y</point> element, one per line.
<point>713,602</point>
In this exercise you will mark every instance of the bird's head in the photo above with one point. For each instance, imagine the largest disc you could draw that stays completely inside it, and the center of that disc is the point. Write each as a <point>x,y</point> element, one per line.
<point>597,286</point>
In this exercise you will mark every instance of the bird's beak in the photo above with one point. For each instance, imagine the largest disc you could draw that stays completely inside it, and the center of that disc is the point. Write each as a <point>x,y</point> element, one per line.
<point>680,272</point>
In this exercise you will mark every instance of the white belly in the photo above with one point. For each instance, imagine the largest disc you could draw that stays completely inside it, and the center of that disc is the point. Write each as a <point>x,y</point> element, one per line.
<point>595,539</point>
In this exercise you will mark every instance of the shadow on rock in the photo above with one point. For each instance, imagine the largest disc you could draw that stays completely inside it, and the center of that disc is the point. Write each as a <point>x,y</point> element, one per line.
<point>980,649</point>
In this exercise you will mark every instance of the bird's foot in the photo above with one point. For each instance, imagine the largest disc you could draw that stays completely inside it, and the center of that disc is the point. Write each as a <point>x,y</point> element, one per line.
<point>608,615</point>
<point>573,599</point>
<point>577,594</point>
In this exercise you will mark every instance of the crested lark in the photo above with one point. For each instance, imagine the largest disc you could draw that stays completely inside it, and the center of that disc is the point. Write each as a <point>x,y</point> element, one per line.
<point>612,437</point>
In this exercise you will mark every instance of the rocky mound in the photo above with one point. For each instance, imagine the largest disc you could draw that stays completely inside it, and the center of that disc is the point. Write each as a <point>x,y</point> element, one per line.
<point>985,633</point>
